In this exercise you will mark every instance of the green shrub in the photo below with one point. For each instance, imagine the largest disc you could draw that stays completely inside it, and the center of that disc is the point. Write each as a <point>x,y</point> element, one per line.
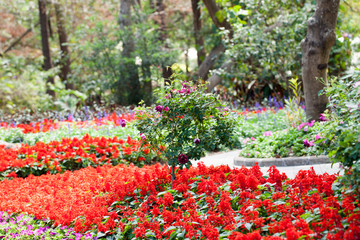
<point>185,123</point>
<point>343,132</point>
<point>23,85</point>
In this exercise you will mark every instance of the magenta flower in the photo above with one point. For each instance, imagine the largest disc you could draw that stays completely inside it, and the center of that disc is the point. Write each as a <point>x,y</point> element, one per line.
<point>307,143</point>
<point>166,109</point>
<point>183,90</point>
<point>300,126</point>
<point>143,137</point>
<point>122,123</point>
<point>323,118</point>
<point>310,124</point>
<point>159,108</point>
<point>196,141</point>
<point>183,159</point>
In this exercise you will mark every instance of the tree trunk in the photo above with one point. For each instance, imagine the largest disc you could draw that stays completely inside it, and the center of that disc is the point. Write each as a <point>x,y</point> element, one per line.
<point>215,53</point>
<point>215,79</point>
<point>65,53</point>
<point>209,61</point>
<point>132,77</point>
<point>199,40</point>
<point>166,69</point>
<point>45,43</point>
<point>316,51</point>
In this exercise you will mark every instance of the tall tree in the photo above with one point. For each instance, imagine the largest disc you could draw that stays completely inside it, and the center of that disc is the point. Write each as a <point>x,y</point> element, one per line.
<point>199,39</point>
<point>132,77</point>
<point>65,53</point>
<point>316,48</point>
<point>45,43</point>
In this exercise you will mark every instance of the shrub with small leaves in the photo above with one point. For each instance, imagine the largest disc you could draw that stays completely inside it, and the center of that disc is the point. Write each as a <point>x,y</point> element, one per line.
<point>186,123</point>
<point>343,131</point>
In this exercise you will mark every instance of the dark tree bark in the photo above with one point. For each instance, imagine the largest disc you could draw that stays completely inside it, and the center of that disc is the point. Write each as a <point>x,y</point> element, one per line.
<point>132,78</point>
<point>45,43</point>
<point>199,39</point>
<point>316,48</point>
<point>213,9</point>
<point>216,52</point>
<point>65,53</point>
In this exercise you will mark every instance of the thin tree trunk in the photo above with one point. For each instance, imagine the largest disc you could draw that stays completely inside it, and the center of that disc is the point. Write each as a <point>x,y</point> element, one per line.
<point>14,43</point>
<point>65,53</point>
<point>45,43</point>
<point>316,48</point>
<point>216,52</point>
<point>213,9</point>
<point>132,78</point>
<point>166,69</point>
<point>199,39</point>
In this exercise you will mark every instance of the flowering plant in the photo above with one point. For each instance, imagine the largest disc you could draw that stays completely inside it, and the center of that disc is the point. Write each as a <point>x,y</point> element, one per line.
<point>186,122</point>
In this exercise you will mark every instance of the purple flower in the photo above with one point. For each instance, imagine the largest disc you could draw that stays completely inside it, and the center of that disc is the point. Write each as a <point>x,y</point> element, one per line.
<point>122,123</point>
<point>159,108</point>
<point>307,143</point>
<point>196,141</point>
<point>323,118</point>
<point>143,137</point>
<point>183,159</point>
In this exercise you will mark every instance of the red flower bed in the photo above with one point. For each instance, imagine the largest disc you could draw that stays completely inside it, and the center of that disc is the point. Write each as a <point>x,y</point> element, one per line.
<point>203,203</point>
<point>86,193</point>
<point>48,125</point>
<point>70,154</point>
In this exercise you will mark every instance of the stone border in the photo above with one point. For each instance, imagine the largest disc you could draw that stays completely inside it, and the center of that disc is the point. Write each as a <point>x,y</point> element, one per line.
<point>281,162</point>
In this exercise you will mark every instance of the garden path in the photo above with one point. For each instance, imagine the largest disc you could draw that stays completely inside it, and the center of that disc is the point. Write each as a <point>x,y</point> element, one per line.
<point>227,158</point>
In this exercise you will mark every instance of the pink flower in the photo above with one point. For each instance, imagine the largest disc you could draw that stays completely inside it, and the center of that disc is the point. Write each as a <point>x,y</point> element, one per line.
<point>143,137</point>
<point>317,136</point>
<point>166,109</point>
<point>267,133</point>
<point>300,126</point>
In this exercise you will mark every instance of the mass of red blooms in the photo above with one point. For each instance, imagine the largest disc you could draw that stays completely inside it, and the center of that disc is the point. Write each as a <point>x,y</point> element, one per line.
<point>49,125</point>
<point>202,203</point>
<point>70,154</point>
